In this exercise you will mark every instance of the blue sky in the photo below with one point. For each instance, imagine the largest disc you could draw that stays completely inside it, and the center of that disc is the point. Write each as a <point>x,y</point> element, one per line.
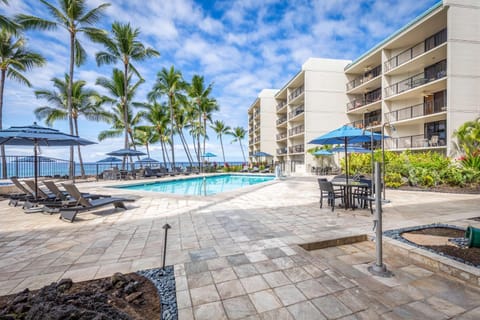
<point>240,46</point>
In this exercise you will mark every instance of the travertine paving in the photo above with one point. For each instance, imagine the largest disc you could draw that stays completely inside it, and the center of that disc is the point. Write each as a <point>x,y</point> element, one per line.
<point>236,254</point>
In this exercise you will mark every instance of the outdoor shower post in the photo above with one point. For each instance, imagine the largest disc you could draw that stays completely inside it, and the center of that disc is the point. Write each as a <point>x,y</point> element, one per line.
<point>165,227</point>
<point>378,268</point>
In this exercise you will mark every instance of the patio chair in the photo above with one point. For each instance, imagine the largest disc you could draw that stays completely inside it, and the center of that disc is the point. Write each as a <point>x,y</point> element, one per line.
<point>266,170</point>
<point>363,195</point>
<point>327,191</point>
<point>65,196</point>
<point>149,172</point>
<point>41,195</point>
<point>83,204</point>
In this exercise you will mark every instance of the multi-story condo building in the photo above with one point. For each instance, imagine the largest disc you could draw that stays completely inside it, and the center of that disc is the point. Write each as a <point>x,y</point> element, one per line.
<point>308,106</point>
<point>418,86</point>
<point>421,83</point>
<point>261,124</point>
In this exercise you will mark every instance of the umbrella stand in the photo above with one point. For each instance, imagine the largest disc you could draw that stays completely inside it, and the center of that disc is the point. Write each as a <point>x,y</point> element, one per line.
<point>35,168</point>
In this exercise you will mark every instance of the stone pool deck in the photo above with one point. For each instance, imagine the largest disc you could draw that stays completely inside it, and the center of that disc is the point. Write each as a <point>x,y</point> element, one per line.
<point>236,255</point>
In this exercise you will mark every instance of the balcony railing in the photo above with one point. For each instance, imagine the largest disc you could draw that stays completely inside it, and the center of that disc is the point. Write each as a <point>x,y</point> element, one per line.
<point>413,82</point>
<point>296,130</point>
<point>281,136</point>
<point>297,148</point>
<point>416,111</point>
<point>281,120</point>
<point>281,104</point>
<point>357,124</point>
<point>282,150</point>
<point>372,121</point>
<point>414,142</point>
<point>375,72</point>
<point>257,139</point>
<point>295,93</point>
<point>296,112</point>
<point>358,103</point>
<point>422,47</point>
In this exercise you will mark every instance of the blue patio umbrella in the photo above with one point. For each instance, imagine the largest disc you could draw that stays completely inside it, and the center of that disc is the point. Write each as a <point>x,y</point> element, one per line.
<point>110,160</point>
<point>351,149</point>
<point>322,153</point>
<point>146,161</point>
<point>126,152</point>
<point>261,154</point>
<point>208,155</point>
<point>35,135</point>
<point>346,135</point>
<point>31,159</point>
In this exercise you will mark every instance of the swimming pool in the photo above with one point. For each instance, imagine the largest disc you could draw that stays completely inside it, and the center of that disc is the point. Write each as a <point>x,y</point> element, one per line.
<point>197,187</point>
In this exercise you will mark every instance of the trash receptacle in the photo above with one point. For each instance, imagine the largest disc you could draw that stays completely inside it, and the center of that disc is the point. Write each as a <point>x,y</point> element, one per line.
<point>473,236</point>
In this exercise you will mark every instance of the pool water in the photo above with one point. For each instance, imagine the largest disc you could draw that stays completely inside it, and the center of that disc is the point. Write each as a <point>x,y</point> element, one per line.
<point>201,185</point>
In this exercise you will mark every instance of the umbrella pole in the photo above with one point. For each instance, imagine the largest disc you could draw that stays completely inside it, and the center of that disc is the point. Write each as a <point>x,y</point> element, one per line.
<point>347,202</point>
<point>35,169</point>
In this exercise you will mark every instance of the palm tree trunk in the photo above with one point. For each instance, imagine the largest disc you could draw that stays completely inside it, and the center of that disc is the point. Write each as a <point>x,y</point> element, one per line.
<point>185,146</point>
<point>125,110</point>
<point>164,148</point>
<point>223,152</point>
<point>80,160</point>
<point>71,166</point>
<point>2,147</point>
<point>199,154</point>
<point>205,131</point>
<point>241,148</point>
<point>172,142</point>
<point>148,150</point>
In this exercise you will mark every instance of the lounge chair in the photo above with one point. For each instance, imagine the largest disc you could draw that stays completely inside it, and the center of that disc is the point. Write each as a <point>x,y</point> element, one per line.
<point>255,169</point>
<point>83,204</point>
<point>64,195</point>
<point>41,195</point>
<point>149,172</point>
<point>28,197</point>
<point>265,170</point>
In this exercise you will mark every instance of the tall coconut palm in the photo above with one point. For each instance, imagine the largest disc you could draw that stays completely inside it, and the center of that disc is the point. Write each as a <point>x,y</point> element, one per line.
<point>75,18</point>
<point>116,92</point>
<point>145,136</point>
<point>85,102</point>
<point>238,134</point>
<point>204,104</point>
<point>123,45</point>
<point>221,129</point>
<point>170,83</point>
<point>158,116</point>
<point>15,58</point>
<point>8,24</point>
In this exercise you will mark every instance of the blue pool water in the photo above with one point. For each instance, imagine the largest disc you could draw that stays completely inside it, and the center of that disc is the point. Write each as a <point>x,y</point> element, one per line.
<point>196,186</point>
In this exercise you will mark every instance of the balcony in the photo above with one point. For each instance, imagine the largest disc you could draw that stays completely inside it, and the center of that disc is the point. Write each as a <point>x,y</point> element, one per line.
<point>282,151</point>
<point>296,130</point>
<point>416,111</point>
<point>299,148</point>
<point>368,99</point>
<point>414,142</point>
<point>415,51</point>
<point>373,121</point>
<point>296,112</point>
<point>281,104</point>
<point>257,139</point>
<point>375,72</point>
<point>356,124</point>
<point>295,93</point>
<point>281,136</point>
<point>282,120</point>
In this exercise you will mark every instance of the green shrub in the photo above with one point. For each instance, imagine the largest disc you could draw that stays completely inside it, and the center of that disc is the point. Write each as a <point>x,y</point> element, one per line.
<point>393,180</point>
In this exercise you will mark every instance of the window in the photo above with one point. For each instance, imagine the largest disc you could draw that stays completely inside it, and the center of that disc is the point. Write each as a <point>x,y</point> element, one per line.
<point>435,71</point>
<point>437,128</point>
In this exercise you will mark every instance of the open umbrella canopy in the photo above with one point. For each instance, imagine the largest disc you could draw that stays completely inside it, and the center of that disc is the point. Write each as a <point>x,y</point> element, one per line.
<point>351,149</point>
<point>147,160</point>
<point>346,135</point>
<point>209,155</point>
<point>126,152</point>
<point>322,153</point>
<point>32,159</point>
<point>109,160</point>
<point>35,135</point>
<point>261,154</point>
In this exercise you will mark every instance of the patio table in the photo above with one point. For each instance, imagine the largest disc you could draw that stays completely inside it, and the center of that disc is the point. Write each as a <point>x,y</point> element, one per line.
<point>347,190</point>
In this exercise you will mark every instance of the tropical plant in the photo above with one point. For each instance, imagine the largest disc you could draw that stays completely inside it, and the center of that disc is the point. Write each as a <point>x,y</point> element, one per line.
<point>15,58</point>
<point>124,46</point>
<point>8,24</point>
<point>145,136</point>
<point>75,18</point>
<point>171,84</point>
<point>221,129</point>
<point>85,102</point>
<point>238,134</point>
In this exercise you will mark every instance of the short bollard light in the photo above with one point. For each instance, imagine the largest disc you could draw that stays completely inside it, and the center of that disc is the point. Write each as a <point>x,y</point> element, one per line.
<point>165,227</point>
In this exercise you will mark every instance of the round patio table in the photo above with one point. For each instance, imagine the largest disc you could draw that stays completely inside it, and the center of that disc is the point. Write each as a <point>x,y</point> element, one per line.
<point>347,190</point>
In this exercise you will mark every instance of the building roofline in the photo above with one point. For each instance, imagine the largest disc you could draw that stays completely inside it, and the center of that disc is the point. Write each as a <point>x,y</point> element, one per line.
<point>396,33</point>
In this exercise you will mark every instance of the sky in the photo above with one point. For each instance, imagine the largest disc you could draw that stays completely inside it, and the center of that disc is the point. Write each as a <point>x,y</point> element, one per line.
<point>241,47</point>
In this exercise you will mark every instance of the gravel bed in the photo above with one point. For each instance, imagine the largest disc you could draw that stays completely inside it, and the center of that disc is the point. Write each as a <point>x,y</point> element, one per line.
<point>164,280</point>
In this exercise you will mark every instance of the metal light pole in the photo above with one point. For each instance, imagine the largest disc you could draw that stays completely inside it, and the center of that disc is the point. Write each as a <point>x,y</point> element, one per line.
<point>383,159</point>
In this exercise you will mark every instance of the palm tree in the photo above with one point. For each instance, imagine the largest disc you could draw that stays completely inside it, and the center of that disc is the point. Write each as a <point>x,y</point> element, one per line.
<point>145,136</point>
<point>73,16</point>
<point>8,24</point>
<point>204,104</point>
<point>238,134</point>
<point>170,83</point>
<point>15,58</point>
<point>468,138</point>
<point>220,129</point>
<point>124,46</point>
<point>116,91</point>
<point>158,117</point>
<point>85,102</point>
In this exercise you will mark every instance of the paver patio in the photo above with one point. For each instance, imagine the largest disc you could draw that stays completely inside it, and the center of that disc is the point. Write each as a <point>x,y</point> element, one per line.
<point>236,255</point>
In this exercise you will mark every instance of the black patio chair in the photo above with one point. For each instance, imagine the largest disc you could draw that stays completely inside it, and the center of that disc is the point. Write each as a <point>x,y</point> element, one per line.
<point>328,191</point>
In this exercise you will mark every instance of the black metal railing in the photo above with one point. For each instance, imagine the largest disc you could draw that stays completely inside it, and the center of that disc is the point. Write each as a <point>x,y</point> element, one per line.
<point>413,82</point>
<point>282,150</point>
<point>418,49</point>
<point>360,102</point>
<point>296,130</point>
<point>281,120</point>
<point>357,124</point>
<point>257,139</point>
<point>296,112</point>
<point>416,111</point>
<point>281,136</point>
<point>295,93</point>
<point>419,141</point>
<point>374,120</point>
<point>367,76</point>
<point>281,104</point>
<point>299,148</point>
